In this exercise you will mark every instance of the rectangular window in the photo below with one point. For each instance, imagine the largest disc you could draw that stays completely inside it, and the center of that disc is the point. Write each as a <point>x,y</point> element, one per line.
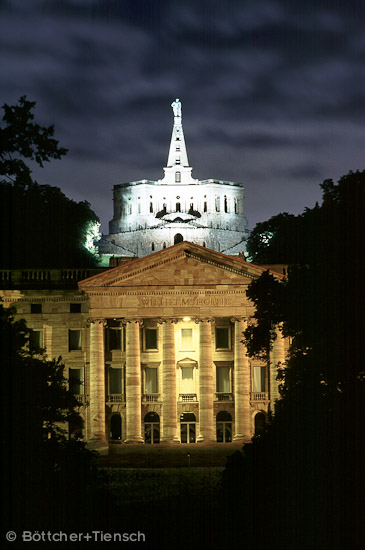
<point>151,380</point>
<point>36,308</point>
<point>75,381</point>
<point>75,308</point>
<point>150,339</point>
<point>223,380</point>
<point>74,340</point>
<point>187,380</point>
<point>187,343</point>
<point>36,340</point>
<point>115,338</point>
<point>222,338</point>
<point>115,380</point>
<point>259,379</point>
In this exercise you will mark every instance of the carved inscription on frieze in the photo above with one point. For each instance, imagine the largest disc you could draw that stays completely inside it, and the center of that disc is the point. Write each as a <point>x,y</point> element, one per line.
<point>190,301</point>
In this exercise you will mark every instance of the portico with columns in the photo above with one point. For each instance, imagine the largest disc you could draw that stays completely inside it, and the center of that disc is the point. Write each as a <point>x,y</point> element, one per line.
<point>167,359</point>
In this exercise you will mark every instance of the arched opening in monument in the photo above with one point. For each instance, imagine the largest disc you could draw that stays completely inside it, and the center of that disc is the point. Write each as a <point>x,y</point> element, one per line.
<point>75,427</point>
<point>225,204</point>
<point>188,427</point>
<point>151,428</point>
<point>260,423</point>
<point>178,207</point>
<point>224,427</point>
<point>178,238</point>
<point>153,246</point>
<point>116,427</point>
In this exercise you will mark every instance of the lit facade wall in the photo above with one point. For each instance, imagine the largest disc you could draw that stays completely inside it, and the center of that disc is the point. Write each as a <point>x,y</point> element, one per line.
<point>153,349</point>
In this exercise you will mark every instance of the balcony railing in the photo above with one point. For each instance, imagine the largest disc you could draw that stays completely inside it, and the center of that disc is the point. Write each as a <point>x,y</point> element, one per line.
<point>115,398</point>
<point>81,398</point>
<point>45,278</point>
<point>259,396</point>
<point>188,397</point>
<point>223,396</point>
<point>151,397</point>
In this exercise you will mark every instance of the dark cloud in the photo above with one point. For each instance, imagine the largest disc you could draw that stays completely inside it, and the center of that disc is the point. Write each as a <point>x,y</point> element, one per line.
<point>272,91</point>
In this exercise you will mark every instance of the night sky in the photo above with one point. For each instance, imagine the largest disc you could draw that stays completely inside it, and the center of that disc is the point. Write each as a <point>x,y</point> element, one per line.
<point>272,91</point>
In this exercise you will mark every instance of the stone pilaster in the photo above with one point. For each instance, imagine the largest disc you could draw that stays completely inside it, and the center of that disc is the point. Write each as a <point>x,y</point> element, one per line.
<point>205,381</point>
<point>277,356</point>
<point>169,426</point>
<point>133,382</point>
<point>97,382</point>
<point>241,383</point>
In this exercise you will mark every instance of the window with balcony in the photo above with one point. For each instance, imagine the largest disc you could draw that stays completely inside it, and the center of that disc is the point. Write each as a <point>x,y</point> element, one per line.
<point>259,379</point>
<point>74,340</point>
<point>223,379</point>
<point>151,384</point>
<point>115,380</point>
<point>187,380</point>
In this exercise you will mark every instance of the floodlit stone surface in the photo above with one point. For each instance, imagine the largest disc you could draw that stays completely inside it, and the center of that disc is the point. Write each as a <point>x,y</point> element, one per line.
<point>152,215</point>
<point>191,370</point>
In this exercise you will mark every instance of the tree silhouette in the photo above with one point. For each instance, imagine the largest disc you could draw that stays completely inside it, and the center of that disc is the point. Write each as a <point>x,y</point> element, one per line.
<point>40,227</point>
<point>309,464</point>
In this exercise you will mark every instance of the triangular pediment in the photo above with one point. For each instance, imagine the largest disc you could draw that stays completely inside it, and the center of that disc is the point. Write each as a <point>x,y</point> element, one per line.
<point>183,264</point>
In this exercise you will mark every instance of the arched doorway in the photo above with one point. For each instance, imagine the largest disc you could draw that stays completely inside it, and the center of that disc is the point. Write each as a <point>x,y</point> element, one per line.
<point>75,427</point>
<point>224,427</point>
<point>188,427</point>
<point>151,428</point>
<point>260,423</point>
<point>178,238</point>
<point>116,427</point>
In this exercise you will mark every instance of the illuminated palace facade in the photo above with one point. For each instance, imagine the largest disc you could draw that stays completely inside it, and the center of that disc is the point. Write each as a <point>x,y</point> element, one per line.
<point>152,215</point>
<point>153,348</point>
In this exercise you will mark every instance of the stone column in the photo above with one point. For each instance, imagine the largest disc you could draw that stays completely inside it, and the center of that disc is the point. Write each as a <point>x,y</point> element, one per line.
<point>169,427</point>
<point>97,382</point>
<point>277,355</point>
<point>241,383</point>
<point>133,383</point>
<point>205,381</point>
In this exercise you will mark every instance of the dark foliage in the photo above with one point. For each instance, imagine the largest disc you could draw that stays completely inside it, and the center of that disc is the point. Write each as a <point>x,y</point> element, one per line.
<point>302,484</point>
<point>49,481</point>
<point>40,227</point>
